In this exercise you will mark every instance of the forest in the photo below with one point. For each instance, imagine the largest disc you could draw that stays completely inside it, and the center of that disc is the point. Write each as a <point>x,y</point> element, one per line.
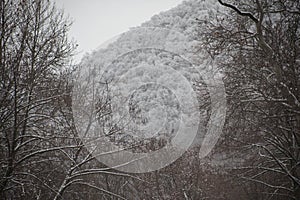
<point>199,102</point>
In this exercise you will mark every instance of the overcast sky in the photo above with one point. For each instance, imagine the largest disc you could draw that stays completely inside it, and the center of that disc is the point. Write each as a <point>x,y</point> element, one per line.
<point>96,21</point>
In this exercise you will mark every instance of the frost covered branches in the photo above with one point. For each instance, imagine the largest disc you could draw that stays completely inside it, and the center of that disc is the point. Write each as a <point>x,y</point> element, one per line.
<point>259,41</point>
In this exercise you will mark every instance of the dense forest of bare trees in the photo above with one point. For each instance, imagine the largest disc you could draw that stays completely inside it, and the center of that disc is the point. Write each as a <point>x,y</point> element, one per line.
<point>257,45</point>
<point>34,54</point>
<point>41,154</point>
<point>261,42</point>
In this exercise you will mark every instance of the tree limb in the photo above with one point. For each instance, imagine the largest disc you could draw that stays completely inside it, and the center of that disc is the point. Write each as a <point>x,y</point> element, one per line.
<point>247,14</point>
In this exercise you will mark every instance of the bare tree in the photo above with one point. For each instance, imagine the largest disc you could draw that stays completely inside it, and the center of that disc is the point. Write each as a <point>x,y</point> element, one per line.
<point>260,41</point>
<point>34,52</point>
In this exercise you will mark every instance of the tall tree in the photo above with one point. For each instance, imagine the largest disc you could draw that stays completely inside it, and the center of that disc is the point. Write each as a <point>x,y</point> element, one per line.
<point>261,43</point>
<point>34,52</point>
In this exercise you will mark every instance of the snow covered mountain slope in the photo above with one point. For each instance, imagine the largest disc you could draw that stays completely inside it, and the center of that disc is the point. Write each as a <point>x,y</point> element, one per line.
<point>150,82</point>
<point>176,30</point>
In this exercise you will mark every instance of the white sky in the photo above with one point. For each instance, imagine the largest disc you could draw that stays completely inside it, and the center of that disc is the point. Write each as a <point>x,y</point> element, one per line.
<point>96,21</point>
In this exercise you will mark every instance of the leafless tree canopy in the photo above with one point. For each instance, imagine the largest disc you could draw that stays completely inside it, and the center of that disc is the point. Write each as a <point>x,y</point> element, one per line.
<point>257,45</point>
<point>261,43</point>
